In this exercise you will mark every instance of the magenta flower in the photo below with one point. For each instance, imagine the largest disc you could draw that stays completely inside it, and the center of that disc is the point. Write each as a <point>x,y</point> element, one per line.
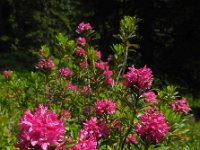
<point>81,41</point>
<point>83,27</point>
<point>98,54</point>
<point>65,72</point>
<point>107,73</point>
<point>152,126</point>
<point>149,96</point>
<point>140,77</point>
<point>105,106</point>
<point>7,74</point>
<point>80,51</point>
<point>109,81</point>
<point>71,87</point>
<point>131,140</point>
<point>46,64</point>
<point>101,65</point>
<point>180,105</point>
<point>94,128</point>
<point>86,144</point>
<point>40,130</point>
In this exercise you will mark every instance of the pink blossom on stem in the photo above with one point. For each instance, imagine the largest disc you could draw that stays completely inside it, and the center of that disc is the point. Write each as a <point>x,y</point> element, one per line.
<point>180,105</point>
<point>131,140</point>
<point>46,64</point>
<point>149,96</point>
<point>40,130</point>
<point>107,73</point>
<point>80,51</point>
<point>81,41</point>
<point>83,27</point>
<point>98,54</point>
<point>95,128</point>
<point>65,72</point>
<point>101,65</point>
<point>140,77</point>
<point>71,87</point>
<point>109,81</point>
<point>87,144</point>
<point>7,74</point>
<point>105,106</point>
<point>152,126</point>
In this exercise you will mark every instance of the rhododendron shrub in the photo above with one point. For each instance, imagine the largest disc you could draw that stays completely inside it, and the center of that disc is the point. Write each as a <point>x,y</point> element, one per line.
<point>85,103</point>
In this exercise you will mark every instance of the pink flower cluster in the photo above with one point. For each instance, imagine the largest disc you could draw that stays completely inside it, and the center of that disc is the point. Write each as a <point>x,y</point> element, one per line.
<point>80,51</point>
<point>131,140</point>
<point>142,77</point>
<point>71,87</point>
<point>149,96</point>
<point>40,130</point>
<point>152,126</point>
<point>7,74</point>
<point>65,72</point>
<point>86,144</point>
<point>46,64</point>
<point>98,54</point>
<point>81,41</point>
<point>180,105</point>
<point>93,129</point>
<point>83,27</point>
<point>105,106</point>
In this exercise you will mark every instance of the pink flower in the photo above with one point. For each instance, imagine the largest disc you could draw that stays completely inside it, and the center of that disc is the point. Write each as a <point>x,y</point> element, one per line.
<point>109,81</point>
<point>88,26</point>
<point>105,106</point>
<point>7,74</point>
<point>71,87</point>
<point>107,73</point>
<point>65,72</point>
<point>40,130</point>
<point>98,54</point>
<point>180,105</point>
<point>46,64</point>
<point>140,77</point>
<point>80,51</point>
<point>87,144</point>
<point>149,96</point>
<point>83,27</point>
<point>81,41</point>
<point>101,65</point>
<point>84,64</point>
<point>152,126</point>
<point>94,128</point>
<point>131,140</point>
